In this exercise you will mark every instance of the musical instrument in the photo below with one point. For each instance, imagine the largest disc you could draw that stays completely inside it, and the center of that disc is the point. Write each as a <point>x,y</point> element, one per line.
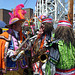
<point>19,51</point>
<point>40,56</point>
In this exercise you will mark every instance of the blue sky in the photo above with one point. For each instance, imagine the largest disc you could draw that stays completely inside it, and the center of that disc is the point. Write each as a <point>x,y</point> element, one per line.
<point>10,4</point>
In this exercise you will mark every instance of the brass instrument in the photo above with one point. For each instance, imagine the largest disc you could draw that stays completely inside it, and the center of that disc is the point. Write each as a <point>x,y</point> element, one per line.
<point>40,56</point>
<point>19,51</point>
<point>43,58</point>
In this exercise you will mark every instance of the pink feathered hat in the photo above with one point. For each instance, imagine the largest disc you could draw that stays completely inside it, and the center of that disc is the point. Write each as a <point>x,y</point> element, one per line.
<point>17,15</point>
<point>14,21</point>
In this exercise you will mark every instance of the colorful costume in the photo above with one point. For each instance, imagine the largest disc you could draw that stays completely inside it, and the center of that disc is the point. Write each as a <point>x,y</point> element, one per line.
<point>43,37</point>
<point>14,45</point>
<point>4,41</point>
<point>12,60</point>
<point>66,64</point>
<point>38,65</point>
<point>7,45</point>
<point>63,56</point>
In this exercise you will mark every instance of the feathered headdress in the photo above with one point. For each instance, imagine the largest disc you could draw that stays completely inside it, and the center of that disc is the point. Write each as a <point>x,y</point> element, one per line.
<point>17,15</point>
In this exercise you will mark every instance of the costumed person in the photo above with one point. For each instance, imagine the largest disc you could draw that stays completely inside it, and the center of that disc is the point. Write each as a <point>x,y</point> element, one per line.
<point>62,50</point>
<point>44,35</point>
<point>66,45</point>
<point>12,60</point>
<point>30,26</point>
<point>27,30</point>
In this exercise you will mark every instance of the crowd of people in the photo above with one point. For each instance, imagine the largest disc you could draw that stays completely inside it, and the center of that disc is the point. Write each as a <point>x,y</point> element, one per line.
<point>47,51</point>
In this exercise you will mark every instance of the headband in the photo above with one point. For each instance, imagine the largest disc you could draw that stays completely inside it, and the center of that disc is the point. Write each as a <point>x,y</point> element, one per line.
<point>48,20</point>
<point>64,23</point>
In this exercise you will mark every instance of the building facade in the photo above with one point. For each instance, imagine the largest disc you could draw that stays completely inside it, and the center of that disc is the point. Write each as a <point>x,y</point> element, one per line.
<point>4,14</point>
<point>29,13</point>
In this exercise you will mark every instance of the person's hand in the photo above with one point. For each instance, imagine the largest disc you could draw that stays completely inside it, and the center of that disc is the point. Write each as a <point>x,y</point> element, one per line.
<point>15,52</point>
<point>25,45</point>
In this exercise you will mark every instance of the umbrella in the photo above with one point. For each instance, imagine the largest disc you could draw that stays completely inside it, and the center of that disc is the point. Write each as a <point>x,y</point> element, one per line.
<point>2,24</point>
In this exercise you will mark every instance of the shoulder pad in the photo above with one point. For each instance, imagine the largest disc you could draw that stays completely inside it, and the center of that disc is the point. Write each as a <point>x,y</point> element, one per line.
<point>6,36</point>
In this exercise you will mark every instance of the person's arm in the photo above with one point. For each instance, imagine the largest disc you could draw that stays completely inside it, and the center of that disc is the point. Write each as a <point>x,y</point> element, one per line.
<point>11,51</point>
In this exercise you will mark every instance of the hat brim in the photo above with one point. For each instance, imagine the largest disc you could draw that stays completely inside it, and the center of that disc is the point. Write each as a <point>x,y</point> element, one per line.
<point>9,25</point>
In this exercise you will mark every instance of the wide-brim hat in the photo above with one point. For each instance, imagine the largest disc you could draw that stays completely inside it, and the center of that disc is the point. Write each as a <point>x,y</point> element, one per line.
<point>14,21</point>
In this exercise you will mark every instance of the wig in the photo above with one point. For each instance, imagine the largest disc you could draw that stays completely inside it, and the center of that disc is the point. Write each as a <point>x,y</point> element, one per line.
<point>65,33</point>
<point>48,28</point>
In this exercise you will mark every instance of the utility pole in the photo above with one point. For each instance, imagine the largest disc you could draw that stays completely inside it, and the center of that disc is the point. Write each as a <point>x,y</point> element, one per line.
<point>70,11</point>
